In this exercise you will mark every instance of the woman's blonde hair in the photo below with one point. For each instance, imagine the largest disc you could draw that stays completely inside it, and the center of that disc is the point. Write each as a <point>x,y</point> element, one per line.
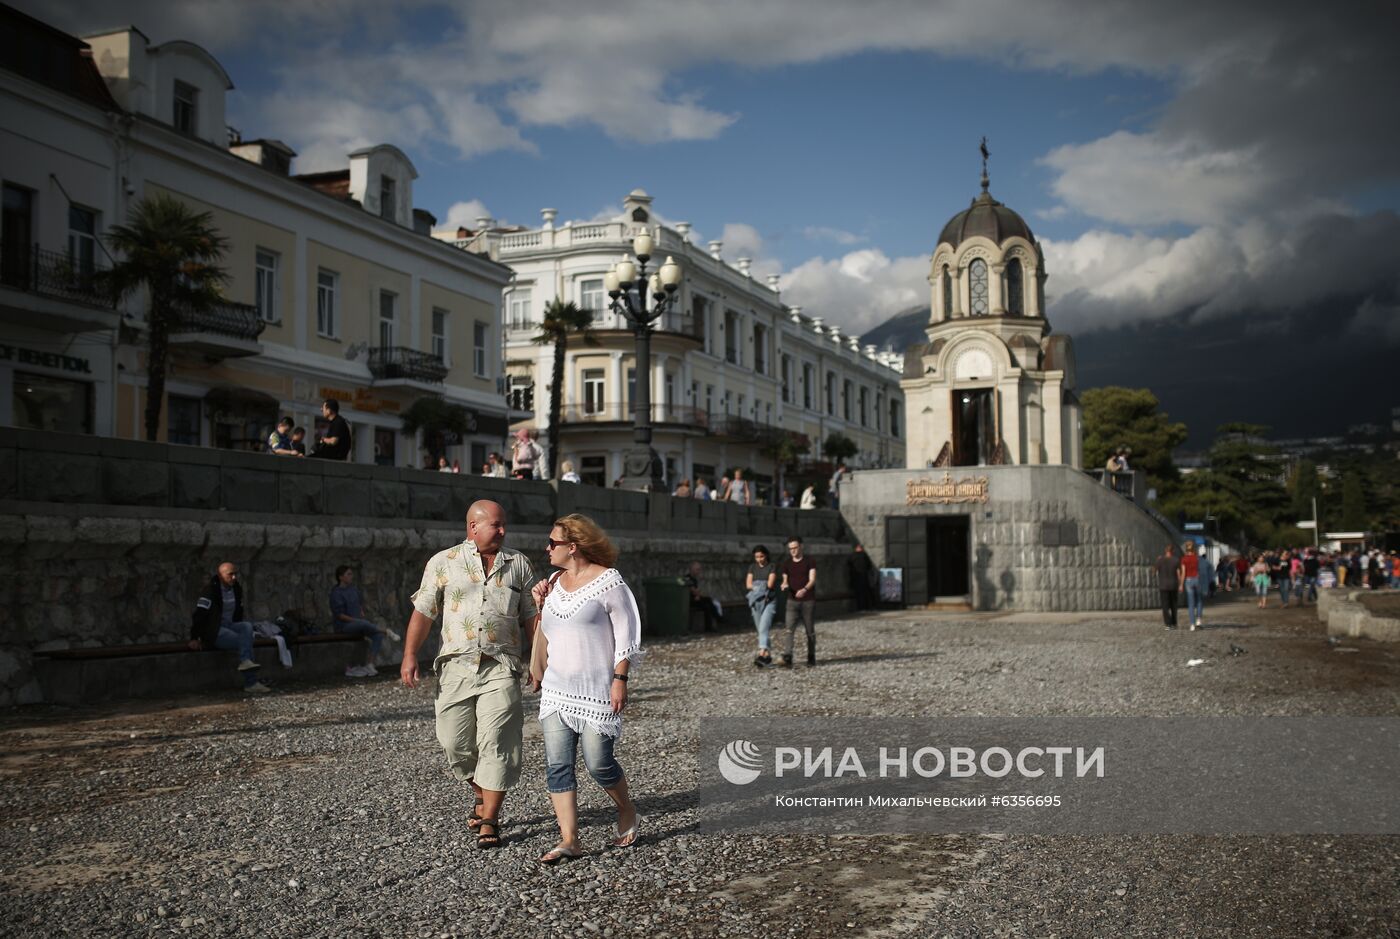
<point>593,543</point>
<point>567,466</point>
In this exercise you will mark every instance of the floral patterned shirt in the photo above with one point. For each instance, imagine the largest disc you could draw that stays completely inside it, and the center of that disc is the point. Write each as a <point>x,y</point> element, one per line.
<point>481,611</point>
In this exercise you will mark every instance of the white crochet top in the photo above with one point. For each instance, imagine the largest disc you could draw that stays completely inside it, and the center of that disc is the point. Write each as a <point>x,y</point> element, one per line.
<point>588,632</point>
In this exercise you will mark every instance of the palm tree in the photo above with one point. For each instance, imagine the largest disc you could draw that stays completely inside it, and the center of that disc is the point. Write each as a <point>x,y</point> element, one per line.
<point>174,253</point>
<point>560,320</point>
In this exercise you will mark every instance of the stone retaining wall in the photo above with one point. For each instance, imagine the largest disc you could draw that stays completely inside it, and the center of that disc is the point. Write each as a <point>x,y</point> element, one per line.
<point>108,542</point>
<point>1047,538</point>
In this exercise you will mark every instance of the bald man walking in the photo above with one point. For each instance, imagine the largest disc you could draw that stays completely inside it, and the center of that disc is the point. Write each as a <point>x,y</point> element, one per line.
<point>482,591</point>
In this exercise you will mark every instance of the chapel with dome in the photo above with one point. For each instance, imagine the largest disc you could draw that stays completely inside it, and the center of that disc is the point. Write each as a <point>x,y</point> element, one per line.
<point>992,385</point>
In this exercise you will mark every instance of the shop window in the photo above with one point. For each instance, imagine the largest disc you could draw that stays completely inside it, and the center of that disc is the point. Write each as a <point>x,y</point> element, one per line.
<point>385,444</point>
<point>183,416</point>
<point>593,470</point>
<point>44,403</point>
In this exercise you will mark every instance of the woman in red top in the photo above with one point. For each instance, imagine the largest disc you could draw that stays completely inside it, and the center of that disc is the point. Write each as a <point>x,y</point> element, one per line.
<point>1242,571</point>
<point>1190,575</point>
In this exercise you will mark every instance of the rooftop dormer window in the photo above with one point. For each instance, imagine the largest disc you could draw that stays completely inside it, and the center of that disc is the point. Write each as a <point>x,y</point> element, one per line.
<point>386,197</point>
<point>184,113</point>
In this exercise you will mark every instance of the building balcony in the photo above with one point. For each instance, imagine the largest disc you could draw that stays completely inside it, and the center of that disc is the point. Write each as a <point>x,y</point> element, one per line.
<point>398,364</point>
<point>662,415</point>
<point>54,290</point>
<point>225,330</point>
<point>745,430</point>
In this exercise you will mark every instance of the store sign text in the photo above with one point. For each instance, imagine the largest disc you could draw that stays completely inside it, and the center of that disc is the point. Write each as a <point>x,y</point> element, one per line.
<point>67,363</point>
<point>946,491</point>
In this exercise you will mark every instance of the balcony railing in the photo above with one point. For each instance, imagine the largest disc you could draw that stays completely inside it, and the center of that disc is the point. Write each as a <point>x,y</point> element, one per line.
<point>741,428</point>
<point>53,274</point>
<point>235,320</point>
<point>389,362</point>
<point>616,413</point>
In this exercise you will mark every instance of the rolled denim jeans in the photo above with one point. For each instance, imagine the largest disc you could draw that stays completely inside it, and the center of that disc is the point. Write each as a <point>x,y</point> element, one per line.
<point>561,746</point>
<point>363,627</point>
<point>763,609</point>
<point>1195,601</point>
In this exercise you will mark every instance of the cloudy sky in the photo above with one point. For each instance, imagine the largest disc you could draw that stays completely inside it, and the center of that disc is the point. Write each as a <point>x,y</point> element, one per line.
<point>1193,158</point>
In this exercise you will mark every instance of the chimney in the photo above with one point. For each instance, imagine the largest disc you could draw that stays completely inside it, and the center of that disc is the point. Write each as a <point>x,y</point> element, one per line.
<point>423,221</point>
<point>744,265</point>
<point>549,215</point>
<point>715,247</point>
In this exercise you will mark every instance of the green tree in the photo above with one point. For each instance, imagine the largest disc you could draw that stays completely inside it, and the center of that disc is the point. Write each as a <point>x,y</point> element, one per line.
<point>437,418</point>
<point>1304,485</point>
<point>839,447</point>
<point>1240,489</point>
<point>561,319</point>
<point>1353,502</point>
<point>174,253</point>
<point>785,448</point>
<point>1131,417</point>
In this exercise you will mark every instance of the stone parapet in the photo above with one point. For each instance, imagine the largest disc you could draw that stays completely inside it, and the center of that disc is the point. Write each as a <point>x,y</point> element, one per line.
<point>1346,615</point>
<point>76,575</point>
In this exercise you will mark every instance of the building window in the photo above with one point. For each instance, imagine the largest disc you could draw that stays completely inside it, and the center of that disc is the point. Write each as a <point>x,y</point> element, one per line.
<point>768,412</point>
<point>385,445</point>
<point>807,382</point>
<point>387,198</point>
<point>894,418</point>
<point>590,297</point>
<point>185,114</point>
<point>864,411</point>
<point>44,403</point>
<point>387,316</point>
<point>479,334</point>
<point>699,307</point>
<point>593,470</point>
<point>17,237</point>
<point>82,240</point>
<point>1015,288</point>
<point>787,378</point>
<point>879,408</point>
<point>709,399</point>
<point>265,284</point>
<point>668,391</point>
<point>831,393</point>
<point>760,349</point>
<point>520,309</point>
<point>183,416</point>
<point>731,338</point>
<point>846,396</point>
<point>478,464</point>
<point>741,406</point>
<point>977,285</point>
<point>440,335</point>
<point>521,393</point>
<point>947,292</point>
<point>593,391</point>
<point>327,286</point>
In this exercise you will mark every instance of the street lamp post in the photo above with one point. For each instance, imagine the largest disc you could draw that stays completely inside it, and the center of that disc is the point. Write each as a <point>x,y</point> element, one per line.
<point>629,286</point>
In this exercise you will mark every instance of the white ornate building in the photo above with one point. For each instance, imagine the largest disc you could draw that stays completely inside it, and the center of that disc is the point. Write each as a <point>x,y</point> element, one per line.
<point>992,385</point>
<point>732,366</point>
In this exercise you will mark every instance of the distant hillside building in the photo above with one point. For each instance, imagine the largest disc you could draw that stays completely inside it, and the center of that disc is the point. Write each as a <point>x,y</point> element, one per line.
<point>992,385</point>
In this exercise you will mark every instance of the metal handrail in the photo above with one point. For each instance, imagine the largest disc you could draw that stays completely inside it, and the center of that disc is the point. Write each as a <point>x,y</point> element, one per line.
<point>224,318</point>
<point>53,274</point>
<point>387,362</point>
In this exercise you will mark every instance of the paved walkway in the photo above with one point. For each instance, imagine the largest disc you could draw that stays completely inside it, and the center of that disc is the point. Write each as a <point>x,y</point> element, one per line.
<point>326,810</point>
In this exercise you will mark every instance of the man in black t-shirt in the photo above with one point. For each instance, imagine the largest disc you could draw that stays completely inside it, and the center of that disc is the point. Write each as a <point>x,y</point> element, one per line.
<point>1167,567</point>
<point>799,583</point>
<point>335,442</point>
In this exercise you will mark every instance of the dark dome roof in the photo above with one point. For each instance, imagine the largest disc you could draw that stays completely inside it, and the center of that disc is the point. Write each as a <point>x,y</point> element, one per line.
<point>987,217</point>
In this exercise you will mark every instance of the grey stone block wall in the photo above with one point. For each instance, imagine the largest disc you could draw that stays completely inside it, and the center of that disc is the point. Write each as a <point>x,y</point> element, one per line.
<point>1012,568</point>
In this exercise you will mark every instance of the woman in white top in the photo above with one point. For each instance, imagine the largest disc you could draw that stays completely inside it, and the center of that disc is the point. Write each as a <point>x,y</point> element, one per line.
<point>809,498</point>
<point>590,634</point>
<point>570,475</point>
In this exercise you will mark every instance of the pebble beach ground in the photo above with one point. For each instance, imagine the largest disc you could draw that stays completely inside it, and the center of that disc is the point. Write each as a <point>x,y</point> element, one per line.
<point>326,810</point>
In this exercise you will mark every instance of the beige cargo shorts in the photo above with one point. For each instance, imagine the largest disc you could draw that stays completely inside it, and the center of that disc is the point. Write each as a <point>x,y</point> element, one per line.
<point>480,721</point>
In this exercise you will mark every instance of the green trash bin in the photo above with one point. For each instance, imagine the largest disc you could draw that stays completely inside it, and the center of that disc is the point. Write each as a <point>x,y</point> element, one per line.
<point>668,606</point>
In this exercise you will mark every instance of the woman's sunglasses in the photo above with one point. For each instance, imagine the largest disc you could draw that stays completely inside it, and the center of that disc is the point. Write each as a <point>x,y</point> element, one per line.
<point>554,544</point>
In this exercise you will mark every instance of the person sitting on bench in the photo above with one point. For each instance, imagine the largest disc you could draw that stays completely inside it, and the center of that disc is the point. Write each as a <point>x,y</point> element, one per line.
<point>218,623</point>
<point>711,611</point>
<point>348,614</point>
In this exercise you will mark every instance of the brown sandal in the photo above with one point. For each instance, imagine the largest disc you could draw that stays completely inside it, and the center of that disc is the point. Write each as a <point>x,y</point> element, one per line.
<point>491,839</point>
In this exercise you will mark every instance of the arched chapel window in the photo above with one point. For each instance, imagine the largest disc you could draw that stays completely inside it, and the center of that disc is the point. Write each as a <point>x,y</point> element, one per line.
<point>1015,290</point>
<point>639,215</point>
<point>977,286</point>
<point>947,293</point>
